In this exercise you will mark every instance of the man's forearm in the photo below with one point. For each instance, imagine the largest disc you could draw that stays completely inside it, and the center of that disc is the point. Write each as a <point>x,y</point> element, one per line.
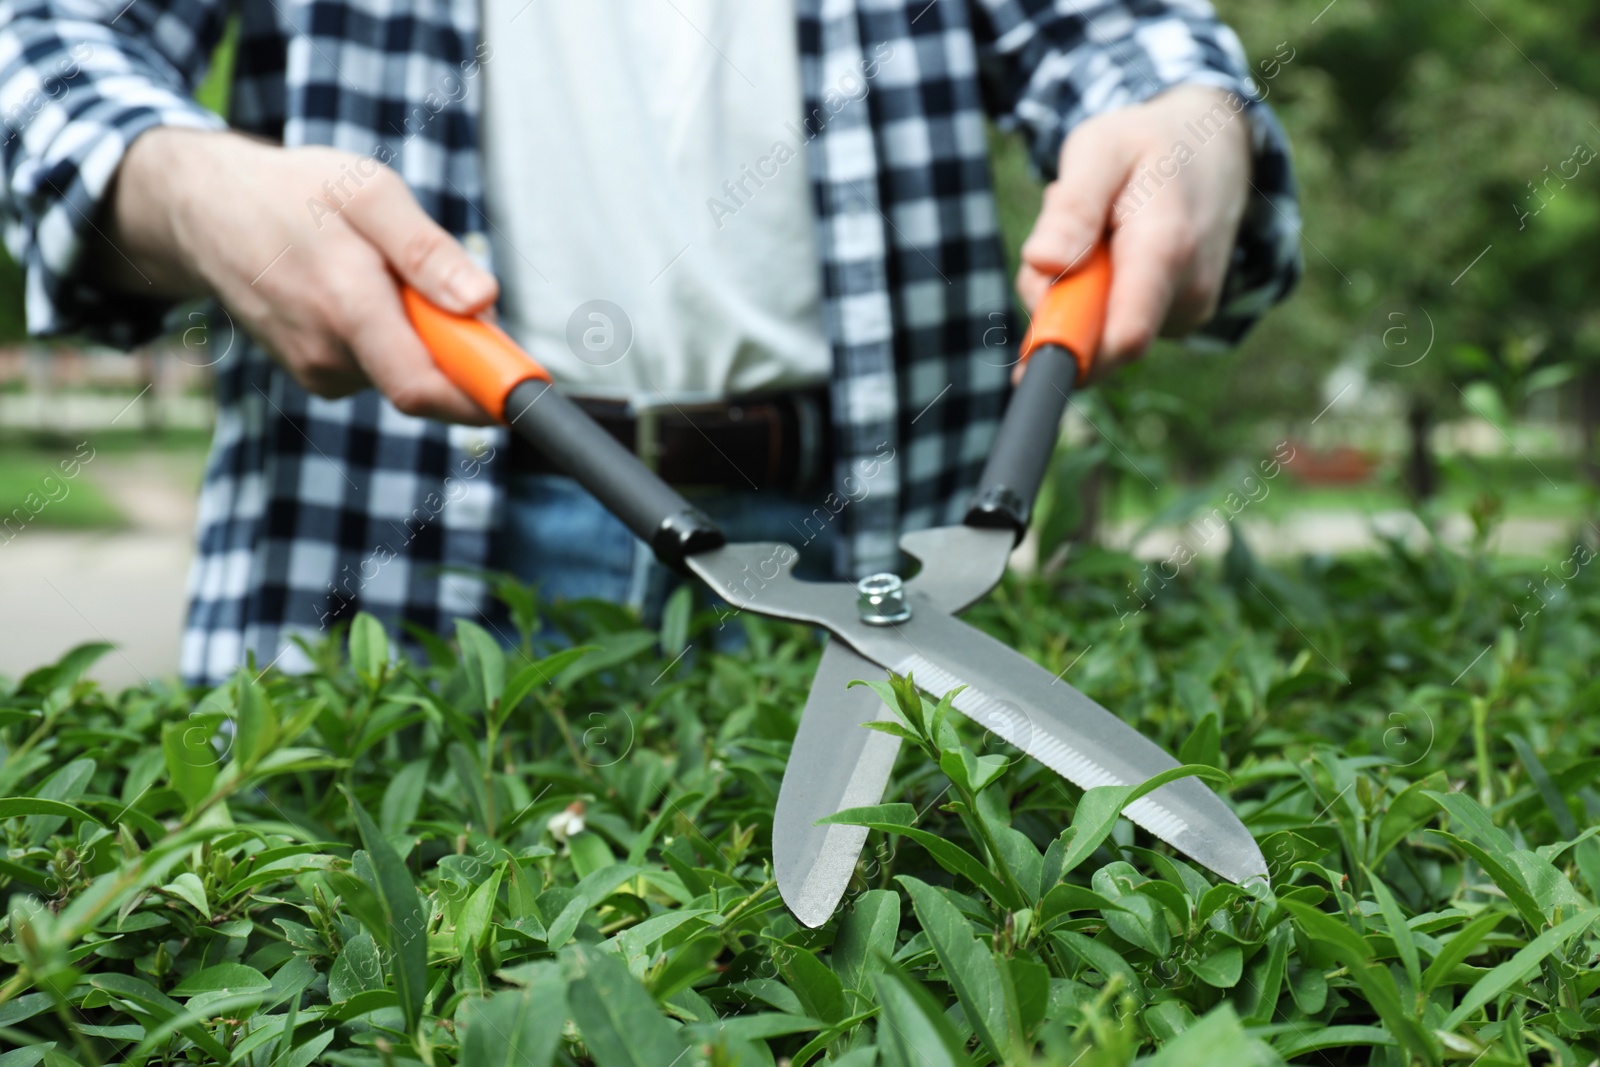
<point>137,247</point>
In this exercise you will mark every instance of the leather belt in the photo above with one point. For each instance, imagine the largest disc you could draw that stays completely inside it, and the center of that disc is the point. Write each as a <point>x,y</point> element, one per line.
<point>775,441</point>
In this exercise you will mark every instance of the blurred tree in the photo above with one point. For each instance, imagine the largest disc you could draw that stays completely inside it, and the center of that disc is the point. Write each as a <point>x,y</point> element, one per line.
<point>1451,161</point>
<point>13,322</point>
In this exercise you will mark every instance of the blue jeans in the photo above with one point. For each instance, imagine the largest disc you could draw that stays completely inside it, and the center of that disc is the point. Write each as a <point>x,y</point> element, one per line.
<point>560,539</point>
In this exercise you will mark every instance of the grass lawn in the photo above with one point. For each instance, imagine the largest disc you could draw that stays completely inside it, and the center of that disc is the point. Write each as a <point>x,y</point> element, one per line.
<point>30,463</point>
<point>33,481</point>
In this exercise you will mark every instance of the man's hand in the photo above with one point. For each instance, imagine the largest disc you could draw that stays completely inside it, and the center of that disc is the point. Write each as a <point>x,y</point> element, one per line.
<point>1169,179</point>
<point>303,246</point>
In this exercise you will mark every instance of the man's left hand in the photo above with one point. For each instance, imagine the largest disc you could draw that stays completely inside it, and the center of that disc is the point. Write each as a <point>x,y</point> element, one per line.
<point>1168,179</point>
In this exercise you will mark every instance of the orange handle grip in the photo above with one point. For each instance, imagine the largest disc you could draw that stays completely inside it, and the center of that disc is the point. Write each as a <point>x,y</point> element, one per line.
<point>1073,311</point>
<point>479,358</point>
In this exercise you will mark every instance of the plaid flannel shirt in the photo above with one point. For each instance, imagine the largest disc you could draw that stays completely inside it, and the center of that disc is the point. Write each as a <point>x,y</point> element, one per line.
<point>313,509</point>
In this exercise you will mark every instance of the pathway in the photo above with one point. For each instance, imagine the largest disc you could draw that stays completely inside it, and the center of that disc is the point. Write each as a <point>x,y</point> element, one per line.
<point>62,588</point>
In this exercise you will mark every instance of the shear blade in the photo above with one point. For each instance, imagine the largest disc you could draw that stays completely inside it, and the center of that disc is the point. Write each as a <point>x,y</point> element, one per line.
<point>835,764</point>
<point>1066,731</point>
<point>1005,692</point>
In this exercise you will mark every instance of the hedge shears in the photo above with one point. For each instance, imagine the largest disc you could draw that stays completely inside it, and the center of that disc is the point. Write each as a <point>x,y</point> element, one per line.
<point>882,622</point>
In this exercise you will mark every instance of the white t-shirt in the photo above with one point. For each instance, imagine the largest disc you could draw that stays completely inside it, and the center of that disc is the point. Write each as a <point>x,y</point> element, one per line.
<point>649,205</point>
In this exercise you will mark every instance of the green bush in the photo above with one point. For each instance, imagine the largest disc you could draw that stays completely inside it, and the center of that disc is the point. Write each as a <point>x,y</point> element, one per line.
<point>551,854</point>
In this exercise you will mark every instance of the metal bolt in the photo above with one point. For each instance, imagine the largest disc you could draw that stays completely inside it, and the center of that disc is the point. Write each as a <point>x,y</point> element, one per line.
<point>882,600</point>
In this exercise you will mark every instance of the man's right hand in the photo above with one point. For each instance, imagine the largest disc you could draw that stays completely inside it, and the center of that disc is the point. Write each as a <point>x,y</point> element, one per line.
<point>303,246</point>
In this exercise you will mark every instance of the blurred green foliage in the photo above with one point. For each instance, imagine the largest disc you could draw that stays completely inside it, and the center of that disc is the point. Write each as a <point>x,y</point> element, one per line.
<point>1422,133</point>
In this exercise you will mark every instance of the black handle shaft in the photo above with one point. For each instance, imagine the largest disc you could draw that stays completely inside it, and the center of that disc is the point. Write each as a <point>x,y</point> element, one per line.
<point>580,449</point>
<point>1027,439</point>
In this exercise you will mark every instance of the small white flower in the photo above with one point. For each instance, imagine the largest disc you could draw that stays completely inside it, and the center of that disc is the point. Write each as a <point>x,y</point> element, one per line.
<point>563,824</point>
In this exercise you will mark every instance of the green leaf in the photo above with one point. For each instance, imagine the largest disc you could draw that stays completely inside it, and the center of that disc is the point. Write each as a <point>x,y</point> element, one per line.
<point>637,940</point>
<point>1375,981</point>
<point>158,1007</point>
<point>1015,852</point>
<point>1221,969</point>
<point>591,890</point>
<point>191,761</point>
<point>896,815</point>
<point>470,784</point>
<point>188,887</point>
<point>24,1008</point>
<point>360,1004</point>
<point>306,1054</point>
<point>1267,971</point>
<point>1100,957</point>
<point>518,1027</point>
<point>758,1027</point>
<point>1030,980</point>
<point>523,896</point>
<point>902,697</point>
<point>192,1017</point>
<point>484,663</point>
<point>1300,1042</point>
<point>11,807</point>
<point>1411,808</point>
<point>913,1032</point>
<point>1166,1019</point>
<point>1518,967</point>
<point>1404,943</point>
<point>222,977</point>
<point>65,785</point>
<point>893,819</point>
<point>1506,877</point>
<point>590,853</point>
<point>1458,948</point>
<point>402,798</point>
<point>1203,746</point>
<point>607,651</point>
<point>972,773</point>
<point>255,721</point>
<point>1066,898</point>
<point>1469,820</point>
<point>66,670</point>
<point>686,964</point>
<point>893,729</point>
<point>1566,825</point>
<point>675,615</point>
<point>820,991</point>
<point>539,673</point>
<point>369,649</point>
<point>1137,918</point>
<point>1101,806</point>
<point>1050,868</point>
<point>616,1015</point>
<point>473,924</point>
<point>359,969</point>
<point>1217,1039</point>
<point>866,938</point>
<point>969,968</point>
<point>406,933</point>
<point>1550,888</point>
